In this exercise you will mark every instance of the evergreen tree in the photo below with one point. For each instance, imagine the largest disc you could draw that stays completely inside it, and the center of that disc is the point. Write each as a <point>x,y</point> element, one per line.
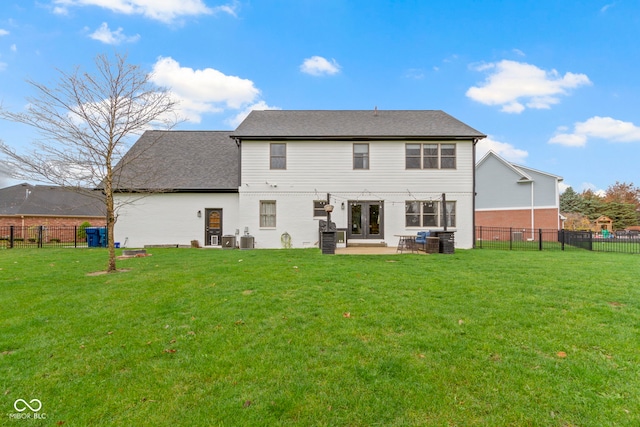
<point>592,205</point>
<point>570,201</point>
<point>622,214</point>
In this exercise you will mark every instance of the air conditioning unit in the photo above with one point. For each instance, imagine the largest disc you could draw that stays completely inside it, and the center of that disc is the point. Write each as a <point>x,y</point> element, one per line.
<point>228,242</point>
<point>247,242</point>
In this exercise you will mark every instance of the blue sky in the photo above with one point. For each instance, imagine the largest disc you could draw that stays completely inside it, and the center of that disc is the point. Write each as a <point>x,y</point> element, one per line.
<point>554,84</point>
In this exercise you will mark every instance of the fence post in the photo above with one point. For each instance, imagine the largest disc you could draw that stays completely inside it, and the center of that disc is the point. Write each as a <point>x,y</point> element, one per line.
<point>75,236</point>
<point>40,245</point>
<point>540,238</point>
<point>562,239</point>
<point>11,236</point>
<point>510,238</point>
<point>590,240</point>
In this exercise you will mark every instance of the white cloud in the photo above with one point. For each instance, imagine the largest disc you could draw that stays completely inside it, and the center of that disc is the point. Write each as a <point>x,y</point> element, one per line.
<point>238,118</point>
<point>14,48</point>
<point>562,186</point>
<point>450,58</point>
<point>160,10</point>
<point>589,186</point>
<point>230,9</point>
<point>606,7</point>
<point>517,85</point>
<point>597,127</point>
<point>203,91</point>
<point>105,35</point>
<point>503,149</point>
<point>569,140</point>
<point>319,66</point>
<point>3,32</point>
<point>416,73</point>
<point>3,66</point>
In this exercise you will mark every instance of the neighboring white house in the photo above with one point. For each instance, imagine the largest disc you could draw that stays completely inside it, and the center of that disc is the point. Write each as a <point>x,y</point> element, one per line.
<point>510,195</point>
<point>385,173</point>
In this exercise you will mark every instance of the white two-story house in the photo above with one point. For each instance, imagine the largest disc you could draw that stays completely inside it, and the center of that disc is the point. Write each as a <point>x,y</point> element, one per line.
<point>387,173</point>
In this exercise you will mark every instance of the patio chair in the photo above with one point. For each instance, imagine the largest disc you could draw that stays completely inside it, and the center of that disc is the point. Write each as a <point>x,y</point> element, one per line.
<point>421,240</point>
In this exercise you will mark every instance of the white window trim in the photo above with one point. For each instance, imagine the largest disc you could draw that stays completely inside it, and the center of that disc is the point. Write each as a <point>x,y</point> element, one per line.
<point>275,214</point>
<point>439,156</point>
<point>439,218</point>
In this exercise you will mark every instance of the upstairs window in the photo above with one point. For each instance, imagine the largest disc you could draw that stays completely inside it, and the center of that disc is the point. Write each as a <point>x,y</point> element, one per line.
<point>430,156</point>
<point>447,156</point>
<point>278,156</point>
<point>361,156</point>
<point>413,156</point>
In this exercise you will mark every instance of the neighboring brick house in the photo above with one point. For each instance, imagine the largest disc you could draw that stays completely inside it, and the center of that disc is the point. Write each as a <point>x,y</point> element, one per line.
<point>510,195</point>
<point>24,205</point>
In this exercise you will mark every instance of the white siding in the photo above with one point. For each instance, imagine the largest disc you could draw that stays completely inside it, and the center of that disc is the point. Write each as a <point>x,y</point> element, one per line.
<point>171,218</point>
<point>295,216</point>
<point>329,164</point>
<point>315,168</point>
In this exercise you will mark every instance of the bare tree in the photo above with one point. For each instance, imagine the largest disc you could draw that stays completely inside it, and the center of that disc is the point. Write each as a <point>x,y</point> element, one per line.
<point>86,122</point>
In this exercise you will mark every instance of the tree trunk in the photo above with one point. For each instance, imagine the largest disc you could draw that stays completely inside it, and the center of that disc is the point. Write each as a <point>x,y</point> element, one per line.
<point>111,220</point>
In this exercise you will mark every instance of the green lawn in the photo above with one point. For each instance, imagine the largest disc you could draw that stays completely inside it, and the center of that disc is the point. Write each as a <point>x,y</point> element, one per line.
<point>292,337</point>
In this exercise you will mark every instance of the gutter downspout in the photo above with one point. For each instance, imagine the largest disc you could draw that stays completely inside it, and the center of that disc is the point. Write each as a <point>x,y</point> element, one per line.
<point>532,213</point>
<point>239,145</point>
<point>473,195</point>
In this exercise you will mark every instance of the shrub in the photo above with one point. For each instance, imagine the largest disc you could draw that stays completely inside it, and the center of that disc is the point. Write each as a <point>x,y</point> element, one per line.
<point>82,230</point>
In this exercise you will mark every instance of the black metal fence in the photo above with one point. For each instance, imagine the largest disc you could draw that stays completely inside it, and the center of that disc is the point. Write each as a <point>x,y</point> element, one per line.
<point>520,239</point>
<point>41,236</point>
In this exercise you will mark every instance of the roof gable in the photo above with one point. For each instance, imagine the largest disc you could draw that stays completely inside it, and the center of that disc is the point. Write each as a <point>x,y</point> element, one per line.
<point>526,173</point>
<point>491,155</point>
<point>353,124</point>
<point>532,171</point>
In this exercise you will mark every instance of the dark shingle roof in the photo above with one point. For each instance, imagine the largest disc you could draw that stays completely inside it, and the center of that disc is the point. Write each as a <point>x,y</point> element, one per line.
<point>353,124</point>
<point>180,161</point>
<point>27,199</point>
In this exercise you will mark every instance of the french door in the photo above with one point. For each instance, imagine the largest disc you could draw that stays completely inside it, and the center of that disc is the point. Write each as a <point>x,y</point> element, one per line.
<point>366,220</point>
